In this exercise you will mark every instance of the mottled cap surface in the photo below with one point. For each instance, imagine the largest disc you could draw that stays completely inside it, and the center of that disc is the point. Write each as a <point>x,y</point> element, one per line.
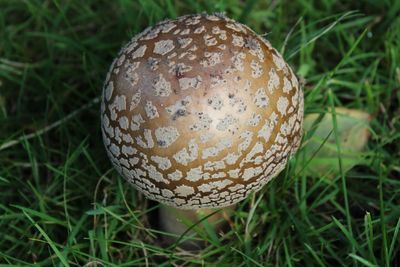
<point>200,111</point>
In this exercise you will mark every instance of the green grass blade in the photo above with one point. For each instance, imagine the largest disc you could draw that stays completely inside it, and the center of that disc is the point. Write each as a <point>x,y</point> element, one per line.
<point>49,241</point>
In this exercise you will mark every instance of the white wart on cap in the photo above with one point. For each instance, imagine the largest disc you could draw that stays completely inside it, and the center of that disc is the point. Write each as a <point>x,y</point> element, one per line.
<point>200,111</point>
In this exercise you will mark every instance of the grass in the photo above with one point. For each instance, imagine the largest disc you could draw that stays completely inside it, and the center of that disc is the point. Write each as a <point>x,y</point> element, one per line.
<point>61,203</point>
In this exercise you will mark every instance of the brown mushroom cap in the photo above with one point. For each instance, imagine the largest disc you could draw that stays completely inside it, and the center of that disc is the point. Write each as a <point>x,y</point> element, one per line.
<point>200,111</point>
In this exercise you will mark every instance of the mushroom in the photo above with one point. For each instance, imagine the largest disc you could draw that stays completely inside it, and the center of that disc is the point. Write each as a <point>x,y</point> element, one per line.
<point>200,111</point>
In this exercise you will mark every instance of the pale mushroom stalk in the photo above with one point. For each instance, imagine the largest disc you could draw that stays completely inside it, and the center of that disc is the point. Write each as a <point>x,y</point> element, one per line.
<point>200,111</point>
<point>181,222</point>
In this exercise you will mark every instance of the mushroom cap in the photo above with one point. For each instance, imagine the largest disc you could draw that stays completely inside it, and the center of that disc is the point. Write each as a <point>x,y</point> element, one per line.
<point>200,111</point>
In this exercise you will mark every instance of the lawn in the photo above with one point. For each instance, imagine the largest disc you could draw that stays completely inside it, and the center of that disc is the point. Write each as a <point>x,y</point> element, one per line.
<point>62,203</point>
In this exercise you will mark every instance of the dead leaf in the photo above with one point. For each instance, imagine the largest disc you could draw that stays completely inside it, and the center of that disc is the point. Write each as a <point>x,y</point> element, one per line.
<point>320,152</point>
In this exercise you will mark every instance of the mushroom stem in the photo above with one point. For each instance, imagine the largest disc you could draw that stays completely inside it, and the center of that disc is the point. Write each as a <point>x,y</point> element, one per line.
<point>187,222</point>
